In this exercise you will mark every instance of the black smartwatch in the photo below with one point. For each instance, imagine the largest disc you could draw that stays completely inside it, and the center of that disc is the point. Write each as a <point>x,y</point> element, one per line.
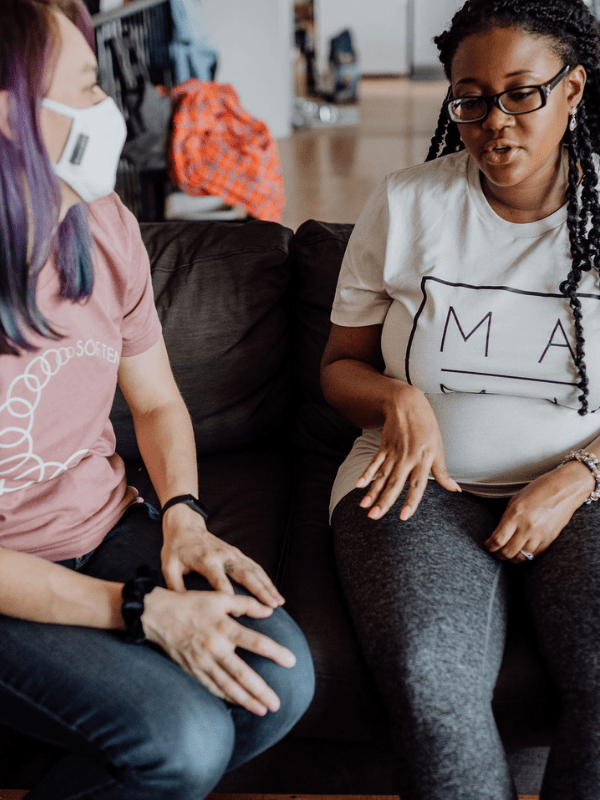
<point>190,501</point>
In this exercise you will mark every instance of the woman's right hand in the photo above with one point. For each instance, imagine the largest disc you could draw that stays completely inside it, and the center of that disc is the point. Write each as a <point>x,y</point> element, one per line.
<point>197,631</point>
<point>411,448</point>
<point>411,443</point>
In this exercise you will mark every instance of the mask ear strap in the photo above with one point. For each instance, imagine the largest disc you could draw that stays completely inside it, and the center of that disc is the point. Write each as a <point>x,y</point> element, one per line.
<point>60,108</point>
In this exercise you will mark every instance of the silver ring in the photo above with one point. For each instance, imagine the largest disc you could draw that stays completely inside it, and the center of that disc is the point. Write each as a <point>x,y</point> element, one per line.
<point>527,554</point>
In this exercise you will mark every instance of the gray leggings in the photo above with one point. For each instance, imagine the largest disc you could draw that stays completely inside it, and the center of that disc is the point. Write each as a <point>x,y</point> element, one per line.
<point>429,605</point>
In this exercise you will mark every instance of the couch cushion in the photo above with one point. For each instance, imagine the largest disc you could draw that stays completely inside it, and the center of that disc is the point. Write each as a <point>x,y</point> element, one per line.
<point>219,289</point>
<point>346,705</point>
<point>317,250</point>
<point>248,494</point>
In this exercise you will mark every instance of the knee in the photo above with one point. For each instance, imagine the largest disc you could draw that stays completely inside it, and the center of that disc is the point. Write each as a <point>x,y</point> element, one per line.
<point>294,686</point>
<point>201,756</point>
<point>188,758</point>
<point>434,676</point>
<point>416,680</point>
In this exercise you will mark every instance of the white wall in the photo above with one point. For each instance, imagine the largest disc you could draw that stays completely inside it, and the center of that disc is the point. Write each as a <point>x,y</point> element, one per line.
<point>255,40</point>
<point>431,18</point>
<point>108,5</point>
<point>378,28</point>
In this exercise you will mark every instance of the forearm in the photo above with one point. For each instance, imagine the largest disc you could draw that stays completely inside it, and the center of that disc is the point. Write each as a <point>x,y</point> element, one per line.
<point>577,477</point>
<point>166,440</point>
<point>360,392</point>
<point>38,590</point>
<point>594,447</point>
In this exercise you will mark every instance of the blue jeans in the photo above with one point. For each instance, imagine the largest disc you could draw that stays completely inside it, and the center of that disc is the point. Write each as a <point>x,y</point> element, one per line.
<point>139,726</point>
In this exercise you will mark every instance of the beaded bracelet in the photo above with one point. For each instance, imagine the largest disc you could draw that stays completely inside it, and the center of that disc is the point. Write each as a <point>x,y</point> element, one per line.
<point>132,609</point>
<point>591,462</point>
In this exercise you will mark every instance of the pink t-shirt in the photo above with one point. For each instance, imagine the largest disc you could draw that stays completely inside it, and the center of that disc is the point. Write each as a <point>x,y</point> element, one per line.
<point>62,487</point>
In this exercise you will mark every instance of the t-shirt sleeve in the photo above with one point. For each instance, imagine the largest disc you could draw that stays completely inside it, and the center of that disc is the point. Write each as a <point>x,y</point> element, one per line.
<point>140,327</point>
<point>361,298</point>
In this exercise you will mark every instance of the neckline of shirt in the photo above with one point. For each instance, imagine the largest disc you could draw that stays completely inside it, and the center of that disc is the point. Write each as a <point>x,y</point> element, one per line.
<point>521,230</point>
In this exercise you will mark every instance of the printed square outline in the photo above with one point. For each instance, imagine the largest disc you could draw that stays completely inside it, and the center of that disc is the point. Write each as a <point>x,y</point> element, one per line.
<point>421,308</point>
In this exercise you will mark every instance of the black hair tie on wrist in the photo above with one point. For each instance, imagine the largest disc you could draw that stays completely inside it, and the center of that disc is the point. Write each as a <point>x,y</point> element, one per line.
<point>132,609</point>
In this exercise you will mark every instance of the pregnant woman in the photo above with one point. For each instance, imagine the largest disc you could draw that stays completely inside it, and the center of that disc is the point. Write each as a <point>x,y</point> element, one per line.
<point>465,342</point>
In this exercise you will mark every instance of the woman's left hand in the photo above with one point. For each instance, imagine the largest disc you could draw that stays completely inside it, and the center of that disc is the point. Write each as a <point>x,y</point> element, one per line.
<point>535,516</point>
<point>190,547</point>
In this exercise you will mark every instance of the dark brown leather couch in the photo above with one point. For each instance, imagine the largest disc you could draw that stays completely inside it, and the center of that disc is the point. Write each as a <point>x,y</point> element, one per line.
<point>245,312</point>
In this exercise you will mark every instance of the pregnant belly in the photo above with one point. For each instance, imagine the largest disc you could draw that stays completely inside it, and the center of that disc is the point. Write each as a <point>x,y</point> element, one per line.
<point>495,439</point>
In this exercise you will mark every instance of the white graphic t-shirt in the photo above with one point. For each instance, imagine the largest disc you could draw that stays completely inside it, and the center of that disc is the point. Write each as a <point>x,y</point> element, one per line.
<point>472,315</point>
<point>62,487</point>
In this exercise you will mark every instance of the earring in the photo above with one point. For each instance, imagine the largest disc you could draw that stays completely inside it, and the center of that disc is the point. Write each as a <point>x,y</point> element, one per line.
<point>573,121</point>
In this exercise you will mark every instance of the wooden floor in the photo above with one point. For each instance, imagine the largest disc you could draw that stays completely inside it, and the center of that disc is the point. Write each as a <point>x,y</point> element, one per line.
<point>329,172</point>
<point>6,794</point>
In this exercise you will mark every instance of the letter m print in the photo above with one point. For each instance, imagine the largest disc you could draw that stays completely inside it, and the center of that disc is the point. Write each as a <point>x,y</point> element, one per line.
<point>453,316</point>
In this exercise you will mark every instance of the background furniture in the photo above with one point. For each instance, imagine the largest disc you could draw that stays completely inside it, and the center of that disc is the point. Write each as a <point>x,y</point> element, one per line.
<point>146,26</point>
<point>379,30</point>
<point>169,42</point>
<point>245,312</point>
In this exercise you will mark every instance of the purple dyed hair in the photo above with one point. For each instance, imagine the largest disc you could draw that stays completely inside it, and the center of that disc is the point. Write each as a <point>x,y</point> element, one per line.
<point>30,199</point>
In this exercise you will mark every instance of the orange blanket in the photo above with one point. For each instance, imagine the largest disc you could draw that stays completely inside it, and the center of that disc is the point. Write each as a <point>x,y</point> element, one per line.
<point>219,149</point>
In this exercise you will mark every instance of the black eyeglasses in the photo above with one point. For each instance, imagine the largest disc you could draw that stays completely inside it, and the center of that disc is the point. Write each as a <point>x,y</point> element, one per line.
<point>522,100</point>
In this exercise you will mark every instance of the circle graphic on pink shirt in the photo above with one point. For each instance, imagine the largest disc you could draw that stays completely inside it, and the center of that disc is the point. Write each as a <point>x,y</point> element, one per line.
<point>18,461</point>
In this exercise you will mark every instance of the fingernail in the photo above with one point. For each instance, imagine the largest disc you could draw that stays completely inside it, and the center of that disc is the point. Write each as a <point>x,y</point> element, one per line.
<point>366,502</point>
<point>290,660</point>
<point>374,513</point>
<point>406,513</point>
<point>360,483</point>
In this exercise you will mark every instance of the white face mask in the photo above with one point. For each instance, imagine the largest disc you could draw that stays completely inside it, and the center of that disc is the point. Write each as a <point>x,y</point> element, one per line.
<point>89,162</point>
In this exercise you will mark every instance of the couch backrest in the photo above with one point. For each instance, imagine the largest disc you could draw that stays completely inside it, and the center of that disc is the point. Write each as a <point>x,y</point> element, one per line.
<point>220,290</point>
<point>317,252</point>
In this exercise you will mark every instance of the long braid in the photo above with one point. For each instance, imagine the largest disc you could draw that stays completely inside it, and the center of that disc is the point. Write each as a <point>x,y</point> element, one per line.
<point>439,137</point>
<point>453,141</point>
<point>583,221</point>
<point>446,138</point>
<point>578,265</point>
<point>590,211</point>
<point>574,34</point>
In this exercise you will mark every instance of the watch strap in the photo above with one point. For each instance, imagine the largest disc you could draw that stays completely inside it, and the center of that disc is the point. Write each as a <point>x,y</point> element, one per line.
<point>189,500</point>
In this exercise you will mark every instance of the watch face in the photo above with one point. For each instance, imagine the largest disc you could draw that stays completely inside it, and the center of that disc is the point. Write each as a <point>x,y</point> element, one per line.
<point>199,507</point>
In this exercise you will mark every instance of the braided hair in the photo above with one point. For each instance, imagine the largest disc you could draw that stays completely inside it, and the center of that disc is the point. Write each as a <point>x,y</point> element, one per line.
<point>574,35</point>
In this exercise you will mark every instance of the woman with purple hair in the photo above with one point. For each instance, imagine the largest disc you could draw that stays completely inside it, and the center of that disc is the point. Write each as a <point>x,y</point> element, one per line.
<point>106,651</point>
